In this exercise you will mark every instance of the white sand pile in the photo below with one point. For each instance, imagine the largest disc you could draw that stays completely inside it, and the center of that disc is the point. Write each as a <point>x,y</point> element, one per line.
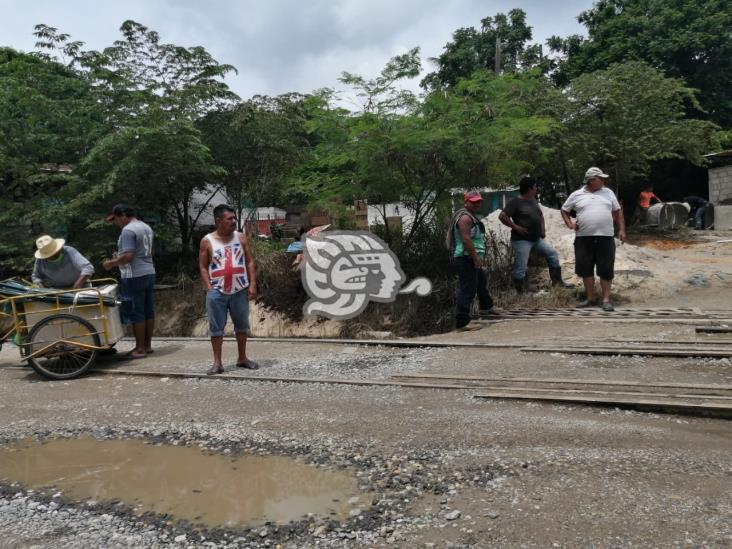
<point>634,265</point>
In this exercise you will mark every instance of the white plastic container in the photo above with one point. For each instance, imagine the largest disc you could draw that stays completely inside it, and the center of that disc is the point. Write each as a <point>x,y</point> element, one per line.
<point>106,320</point>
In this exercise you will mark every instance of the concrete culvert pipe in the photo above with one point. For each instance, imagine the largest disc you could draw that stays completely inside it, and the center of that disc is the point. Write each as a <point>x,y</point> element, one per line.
<point>667,215</point>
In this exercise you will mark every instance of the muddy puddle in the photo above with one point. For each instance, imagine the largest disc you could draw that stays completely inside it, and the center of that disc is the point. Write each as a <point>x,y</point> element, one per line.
<point>203,488</point>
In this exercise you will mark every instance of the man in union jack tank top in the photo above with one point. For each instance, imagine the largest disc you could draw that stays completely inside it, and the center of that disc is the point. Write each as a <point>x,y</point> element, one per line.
<point>227,273</point>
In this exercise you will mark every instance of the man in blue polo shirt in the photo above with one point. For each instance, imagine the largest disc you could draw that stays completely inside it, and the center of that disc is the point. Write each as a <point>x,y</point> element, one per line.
<point>135,261</point>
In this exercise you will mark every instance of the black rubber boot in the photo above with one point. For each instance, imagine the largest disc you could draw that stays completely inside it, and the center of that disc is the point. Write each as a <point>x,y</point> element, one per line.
<point>555,274</point>
<point>519,284</point>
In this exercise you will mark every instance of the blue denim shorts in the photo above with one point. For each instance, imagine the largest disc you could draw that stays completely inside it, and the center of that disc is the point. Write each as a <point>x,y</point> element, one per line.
<point>217,304</point>
<point>136,295</point>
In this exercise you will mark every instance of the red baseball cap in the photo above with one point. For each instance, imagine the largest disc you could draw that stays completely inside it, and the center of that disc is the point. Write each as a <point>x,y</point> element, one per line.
<point>473,196</point>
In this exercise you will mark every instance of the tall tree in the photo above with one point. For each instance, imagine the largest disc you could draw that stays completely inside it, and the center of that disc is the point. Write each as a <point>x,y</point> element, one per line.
<point>160,169</point>
<point>626,117</point>
<point>150,94</point>
<point>48,121</point>
<point>481,132</point>
<point>139,76</point>
<point>687,39</point>
<point>258,142</point>
<point>500,44</point>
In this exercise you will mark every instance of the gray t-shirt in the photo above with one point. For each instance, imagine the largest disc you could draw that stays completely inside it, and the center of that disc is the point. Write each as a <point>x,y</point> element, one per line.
<point>594,211</point>
<point>62,273</point>
<point>136,237</point>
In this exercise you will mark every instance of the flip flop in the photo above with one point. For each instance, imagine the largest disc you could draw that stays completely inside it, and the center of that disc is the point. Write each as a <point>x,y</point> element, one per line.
<point>248,364</point>
<point>132,356</point>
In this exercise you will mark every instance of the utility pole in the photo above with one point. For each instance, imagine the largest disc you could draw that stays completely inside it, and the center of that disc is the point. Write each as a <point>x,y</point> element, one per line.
<point>497,65</point>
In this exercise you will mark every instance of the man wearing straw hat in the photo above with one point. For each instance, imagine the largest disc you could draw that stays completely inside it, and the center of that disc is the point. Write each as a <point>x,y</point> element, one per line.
<point>59,266</point>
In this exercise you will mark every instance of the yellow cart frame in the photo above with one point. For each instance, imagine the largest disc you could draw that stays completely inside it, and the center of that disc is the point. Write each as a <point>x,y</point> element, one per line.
<point>13,307</point>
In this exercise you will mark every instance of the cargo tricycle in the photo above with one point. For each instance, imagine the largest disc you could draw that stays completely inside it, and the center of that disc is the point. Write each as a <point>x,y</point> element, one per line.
<point>60,333</point>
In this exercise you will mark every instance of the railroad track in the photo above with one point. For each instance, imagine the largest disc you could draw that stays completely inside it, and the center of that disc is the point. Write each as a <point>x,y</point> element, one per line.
<point>713,400</point>
<point>656,314</point>
<point>714,329</point>
<point>621,347</point>
<point>679,398</point>
<point>670,350</point>
<point>684,398</point>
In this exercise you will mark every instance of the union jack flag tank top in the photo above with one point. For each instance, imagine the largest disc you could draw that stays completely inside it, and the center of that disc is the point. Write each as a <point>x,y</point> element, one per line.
<point>227,269</point>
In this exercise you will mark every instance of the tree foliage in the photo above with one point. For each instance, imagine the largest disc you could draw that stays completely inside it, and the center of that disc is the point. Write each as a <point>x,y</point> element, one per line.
<point>149,94</point>
<point>480,133</point>
<point>155,124</point>
<point>140,79</point>
<point>474,49</point>
<point>626,117</point>
<point>257,142</point>
<point>687,39</point>
<point>47,116</point>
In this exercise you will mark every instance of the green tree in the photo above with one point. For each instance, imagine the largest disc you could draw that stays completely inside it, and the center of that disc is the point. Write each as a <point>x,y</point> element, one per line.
<point>162,170</point>
<point>140,78</point>
<point>48,121</point>
<point>258,142</point>
<point>481,132</point>
<point>501,44</point>
<point>625,118</point>
<point>47,116</point>
<point>687,39</point>
<point>150,94</point>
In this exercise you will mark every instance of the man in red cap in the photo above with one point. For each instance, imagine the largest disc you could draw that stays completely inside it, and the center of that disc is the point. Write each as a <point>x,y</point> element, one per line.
<point>466,241</point>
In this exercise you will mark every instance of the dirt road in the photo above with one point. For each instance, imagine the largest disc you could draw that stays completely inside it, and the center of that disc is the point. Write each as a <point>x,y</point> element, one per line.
<point>436,468</point>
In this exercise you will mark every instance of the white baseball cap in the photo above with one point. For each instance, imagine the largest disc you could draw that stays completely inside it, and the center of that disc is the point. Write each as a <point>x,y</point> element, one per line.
<point>595,172</point>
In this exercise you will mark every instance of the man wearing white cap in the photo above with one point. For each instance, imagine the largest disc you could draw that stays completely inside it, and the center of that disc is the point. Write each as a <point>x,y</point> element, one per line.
<point>597,210</point>
<point>59,266</point>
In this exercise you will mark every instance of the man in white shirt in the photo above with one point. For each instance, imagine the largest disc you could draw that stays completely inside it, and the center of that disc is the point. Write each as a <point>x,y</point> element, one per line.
<point>597,210</point>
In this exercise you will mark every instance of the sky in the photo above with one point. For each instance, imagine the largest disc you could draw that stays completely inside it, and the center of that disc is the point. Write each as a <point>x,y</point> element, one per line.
<point>281,46</point>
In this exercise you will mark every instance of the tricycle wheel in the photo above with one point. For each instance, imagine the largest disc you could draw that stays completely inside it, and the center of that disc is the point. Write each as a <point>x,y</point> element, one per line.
<point>65,340</point>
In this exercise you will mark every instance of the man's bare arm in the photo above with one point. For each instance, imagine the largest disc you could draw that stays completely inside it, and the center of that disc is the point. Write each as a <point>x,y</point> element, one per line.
<point>251,271</point>
<point>465,224</point>
<point>121,259</point>
<point>508,222</point>
<point>204,258</point>
<point>568,221</point>
<point>619,219</point>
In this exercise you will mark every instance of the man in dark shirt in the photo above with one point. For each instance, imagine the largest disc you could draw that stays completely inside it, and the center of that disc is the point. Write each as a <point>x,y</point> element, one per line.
<point>698,208</point>
<point>523,215</point>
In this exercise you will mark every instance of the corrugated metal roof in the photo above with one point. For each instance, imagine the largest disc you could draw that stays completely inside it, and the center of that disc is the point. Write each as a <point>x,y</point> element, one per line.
<point>720,154</point>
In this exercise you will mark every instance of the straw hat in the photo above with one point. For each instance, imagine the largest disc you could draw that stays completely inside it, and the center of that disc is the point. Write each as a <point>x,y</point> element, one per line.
<point>48,246</point>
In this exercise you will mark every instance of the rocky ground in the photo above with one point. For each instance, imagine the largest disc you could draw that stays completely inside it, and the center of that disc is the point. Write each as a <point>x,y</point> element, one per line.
<point>435,468</point>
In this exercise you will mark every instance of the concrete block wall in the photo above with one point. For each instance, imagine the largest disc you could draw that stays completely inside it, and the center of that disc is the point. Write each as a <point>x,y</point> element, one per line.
<point>723,218</point>
<point>720,184</point>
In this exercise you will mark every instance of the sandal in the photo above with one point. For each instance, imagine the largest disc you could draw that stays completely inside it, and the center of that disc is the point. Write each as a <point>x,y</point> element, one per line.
<point>248,364</point>
<point>469,328</point>
<point>215,370</point>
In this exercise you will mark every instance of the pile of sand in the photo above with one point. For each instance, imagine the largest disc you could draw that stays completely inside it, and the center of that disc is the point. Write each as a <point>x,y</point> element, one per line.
<point>634,266</point>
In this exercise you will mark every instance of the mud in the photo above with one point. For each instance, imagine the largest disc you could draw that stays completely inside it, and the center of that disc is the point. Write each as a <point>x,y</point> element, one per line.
<point>209,489</point>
